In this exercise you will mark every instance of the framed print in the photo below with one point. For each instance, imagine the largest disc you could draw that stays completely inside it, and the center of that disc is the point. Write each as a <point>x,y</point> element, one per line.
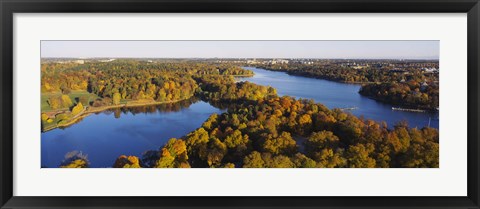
<point>196,104</point>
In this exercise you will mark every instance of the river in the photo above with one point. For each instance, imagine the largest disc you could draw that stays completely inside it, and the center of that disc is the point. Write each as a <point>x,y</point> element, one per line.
<point>339,95</point>
<point>132,131</point>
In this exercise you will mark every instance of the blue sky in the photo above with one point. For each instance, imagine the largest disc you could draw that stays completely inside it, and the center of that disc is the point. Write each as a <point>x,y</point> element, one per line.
<point>243,49</point>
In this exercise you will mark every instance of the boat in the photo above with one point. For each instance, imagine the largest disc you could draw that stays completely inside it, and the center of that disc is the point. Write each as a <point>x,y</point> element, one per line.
<point>406,109</point>
<point>349,108</point>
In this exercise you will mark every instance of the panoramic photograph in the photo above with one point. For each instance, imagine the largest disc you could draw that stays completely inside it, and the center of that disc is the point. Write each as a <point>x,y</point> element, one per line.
<point>240,104</point>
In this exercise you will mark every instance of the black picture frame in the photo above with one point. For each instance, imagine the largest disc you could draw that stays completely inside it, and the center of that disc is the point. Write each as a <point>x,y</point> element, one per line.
<point>9,7</point>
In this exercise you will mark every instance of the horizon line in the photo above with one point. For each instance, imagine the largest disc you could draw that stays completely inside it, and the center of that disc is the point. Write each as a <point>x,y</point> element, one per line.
<point>235,58</point>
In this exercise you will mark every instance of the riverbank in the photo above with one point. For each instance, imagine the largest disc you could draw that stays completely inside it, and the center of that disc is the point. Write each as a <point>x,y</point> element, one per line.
<point>401,107</point>
<point>246,75</point>
<point>325,78</point>
<point>378,99</point>
<point>90,110</point>
<point>305,75</point>
<point>340,95</point>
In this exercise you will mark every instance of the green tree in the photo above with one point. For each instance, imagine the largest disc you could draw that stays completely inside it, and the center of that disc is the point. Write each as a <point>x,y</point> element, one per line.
<point>66,101</point>
<point>283,144</point>
<point>77,109</point>
<point>54,102</point>
<point>116,98</point>
<point>173,155</point>
<point>235,139</point>
<point>161,95</point>
<point>44,117</point>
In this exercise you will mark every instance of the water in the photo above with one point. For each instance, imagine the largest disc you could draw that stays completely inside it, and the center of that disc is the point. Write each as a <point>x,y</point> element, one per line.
<point>129,131</point>
<point>338,95</point>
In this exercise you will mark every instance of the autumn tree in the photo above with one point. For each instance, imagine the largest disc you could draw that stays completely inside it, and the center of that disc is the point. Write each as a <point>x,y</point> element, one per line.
<point>66,101</point>
<point>358,156</point>
<point>253,160</point>
<point>321,140</point>
<point>127,162</point>
<point>75,159</point>
<point>282,144</point>
<point>173,155</point>
<point>77,109</point>
<point>116,98</point>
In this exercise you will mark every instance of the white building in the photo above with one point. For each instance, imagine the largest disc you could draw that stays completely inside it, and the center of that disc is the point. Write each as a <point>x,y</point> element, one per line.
<point>109,60</point>
<point>430,70</point>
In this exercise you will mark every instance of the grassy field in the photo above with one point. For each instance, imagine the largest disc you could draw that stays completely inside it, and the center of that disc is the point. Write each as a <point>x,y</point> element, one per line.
<point>74,96</point>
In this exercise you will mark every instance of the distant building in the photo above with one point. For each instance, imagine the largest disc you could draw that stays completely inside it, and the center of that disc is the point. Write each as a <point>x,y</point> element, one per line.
<point>109,60</point>
<point>278,61</point>
<point>430,70</point>
<point>358,67</point>
<point>306,62</point>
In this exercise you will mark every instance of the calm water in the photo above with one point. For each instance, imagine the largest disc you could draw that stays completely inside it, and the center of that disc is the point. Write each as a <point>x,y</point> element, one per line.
<point>131,131</point>
<point>338,95</point>
<point>127,131</point>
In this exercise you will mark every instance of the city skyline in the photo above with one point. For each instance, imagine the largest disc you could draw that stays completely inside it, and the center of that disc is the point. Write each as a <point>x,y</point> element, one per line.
<point>242,49</point>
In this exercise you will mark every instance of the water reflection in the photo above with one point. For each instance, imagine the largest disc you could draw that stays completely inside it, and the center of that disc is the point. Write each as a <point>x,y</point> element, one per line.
<point>124,131</point>
<point>153,109</point>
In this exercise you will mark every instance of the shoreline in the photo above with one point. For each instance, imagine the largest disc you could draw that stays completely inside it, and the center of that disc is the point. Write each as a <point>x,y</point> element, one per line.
<point>316,77</point>
<point>249,75</point>
<point>426,110</point>
<point>356,83</point>
<point>91,110</point>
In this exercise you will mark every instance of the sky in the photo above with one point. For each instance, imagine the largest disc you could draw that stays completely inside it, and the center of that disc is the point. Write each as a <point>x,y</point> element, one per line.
<point>242,49</point>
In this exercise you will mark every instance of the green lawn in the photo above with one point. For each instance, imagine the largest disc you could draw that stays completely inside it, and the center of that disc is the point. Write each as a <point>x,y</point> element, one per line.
<point>74,95</point>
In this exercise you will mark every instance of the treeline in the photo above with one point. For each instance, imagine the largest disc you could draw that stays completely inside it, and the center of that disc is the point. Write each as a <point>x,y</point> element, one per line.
<point>410,94</point>
<point>57,77</point>
<point>68,88</point>
<point>341,73</point>
<point>142,84</point>
<point>124,80</point>
<point>404,87</point>
<point>216,88</point>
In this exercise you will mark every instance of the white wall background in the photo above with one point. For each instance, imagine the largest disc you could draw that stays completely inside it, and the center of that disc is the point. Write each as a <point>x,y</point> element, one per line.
<point>448,180</point>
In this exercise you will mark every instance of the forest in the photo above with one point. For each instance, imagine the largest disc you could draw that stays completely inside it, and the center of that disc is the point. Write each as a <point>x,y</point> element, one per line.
<point>281,132</point>
<point>69,90</point>
<point>395,83</point>
<point>259,129</point>
<point>410,94</point>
